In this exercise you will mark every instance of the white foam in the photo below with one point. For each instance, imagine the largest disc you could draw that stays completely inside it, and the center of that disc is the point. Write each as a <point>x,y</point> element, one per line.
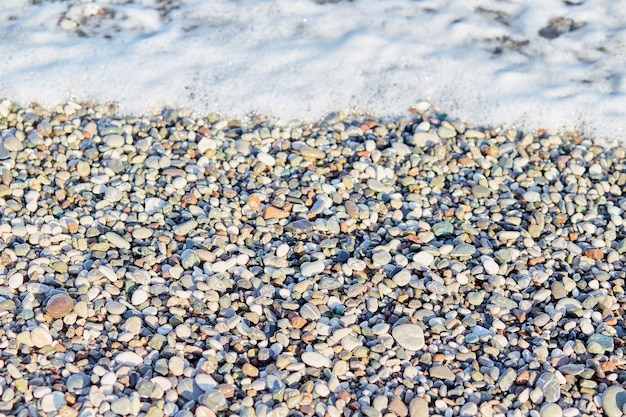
<point>299,59</point>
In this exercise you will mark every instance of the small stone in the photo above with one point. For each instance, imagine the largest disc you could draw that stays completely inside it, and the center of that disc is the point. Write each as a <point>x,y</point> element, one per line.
<point>13,144</point>
<point>59,305</point>
<point>114,307</point>
<point>593,253</point>
<point>7,305</point>
<point>205,382</point>
<point>558,290</point>
<point>397,406</point>
<point>381,258</point>
<point>176,365</point>
<point>551,410</point>
<point>441,372</point>
<point>21,385</point>
<point>507,379</point>
<point>418,407</point>
<point>121,406</point>
<point>309,269</point>
<point>402,277</point>
<point>77,382</point>
<point>549,385</point>
<point>139,297</point>
<point>16,280</point>
<point>266,159</point>
<point>425,139</point>
<point>188,389</point>
<point>475,298</point>
<point>531,196</point>
<point>189,259</point>
<point>52,403</point>
<point>113,141</point>
<point>142,233</point>
<point>490,266</point>
<point>108,272</point>
<point>613,401</point>
<point>423,258</point>
<point>129,359</point>
<point>41,337</point>
<point>315,360</point>
<point>309,311</point>
<point>409,336</point>
<point>185,228</point>
<point>480,191</point>
<point>443,229</point>
<point>271,212</point>
<point>117,240</point>
<point>469,410</point>
<point>599,343</point>
<point>463,249</point>
<point>203,411</point>
<point>250,370</point>
<point>157,341</point>
<point>214,399</point>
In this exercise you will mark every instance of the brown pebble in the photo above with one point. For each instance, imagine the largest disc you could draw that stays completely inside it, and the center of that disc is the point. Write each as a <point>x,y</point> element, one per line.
<point>562,162</point>
<point>491,150</point>
<point>608,366</point>
<point>189,199</point>
<point>397,407</point>
<point>298,322</point>
<point>593,253</point>
<point>59,305</point>
<point>227,389</point>
<point>274,213</point>
<point>250,370</point>
<point>307,409</point>
<point>254,202</point>
<point>522,379</point>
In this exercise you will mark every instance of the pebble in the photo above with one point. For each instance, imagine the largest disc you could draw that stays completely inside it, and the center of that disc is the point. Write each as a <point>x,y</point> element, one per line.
<point>309,269</point>
<point>214,399</point>
<point>59,305</point>
<point>441,372</point>
<point>551,410</point>
<point>51,403</point>
<point>129,359</point>
<point>491,267</point>
<point>463,249</point>
<point>409,336</point>
<point>613,401</point>
<point>121,406</point>
<point>117,240</point>
<point>16,280</point>
<point>310,312</point>
<point>549,385</point>
<point>315,360</point>
<point>423,258</point>
<point>41,337</point>
<point>418,407</point>
<point>381,258</point>
<point>266,159</point>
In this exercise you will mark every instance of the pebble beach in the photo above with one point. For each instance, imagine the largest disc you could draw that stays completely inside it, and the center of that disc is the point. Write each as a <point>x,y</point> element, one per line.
<point>181,265</point>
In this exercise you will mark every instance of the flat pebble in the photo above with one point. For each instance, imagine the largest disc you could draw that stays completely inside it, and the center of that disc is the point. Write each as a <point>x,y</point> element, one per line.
<point>316,360</point>
<point>409,336</point>
<point>59,305</point>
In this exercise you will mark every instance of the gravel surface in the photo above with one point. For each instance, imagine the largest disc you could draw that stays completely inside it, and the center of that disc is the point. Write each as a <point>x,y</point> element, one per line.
<point>193,266</point>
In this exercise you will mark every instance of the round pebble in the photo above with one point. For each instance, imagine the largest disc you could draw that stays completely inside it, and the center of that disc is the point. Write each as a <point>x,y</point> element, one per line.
<point>59,305</point>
